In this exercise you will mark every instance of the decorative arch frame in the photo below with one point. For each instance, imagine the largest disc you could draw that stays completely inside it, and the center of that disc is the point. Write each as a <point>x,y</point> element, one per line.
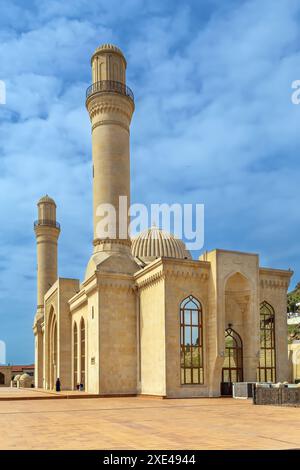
<point>75,355</point>
<point>191,342</point>
<point>232,370</point>
<point>52,346</point>
<point>82,352</point>
<point>2,378</point>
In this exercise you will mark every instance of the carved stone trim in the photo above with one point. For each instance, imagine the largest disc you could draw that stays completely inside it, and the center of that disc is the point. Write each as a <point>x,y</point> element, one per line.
<point>100,107</point>
<point>109,122</point>
<point>151,280</point>
<point>114,285</point>
<point>274,284</point>
<point>185,274</point>
<point>117,241</point>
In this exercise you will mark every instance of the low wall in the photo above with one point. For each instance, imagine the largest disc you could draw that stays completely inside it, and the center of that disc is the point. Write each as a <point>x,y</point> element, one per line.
<point>243,389</point>
<point>276,395</point>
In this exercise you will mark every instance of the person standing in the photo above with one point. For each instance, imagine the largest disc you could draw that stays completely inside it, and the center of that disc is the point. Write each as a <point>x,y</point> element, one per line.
<point>57,386</point>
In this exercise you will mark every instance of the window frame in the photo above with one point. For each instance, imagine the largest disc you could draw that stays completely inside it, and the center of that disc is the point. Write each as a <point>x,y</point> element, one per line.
<point>187,350</point>
<point>265,369</point>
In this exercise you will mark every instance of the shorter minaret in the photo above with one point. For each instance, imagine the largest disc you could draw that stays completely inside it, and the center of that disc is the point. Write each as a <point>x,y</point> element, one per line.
<point>47,232</point>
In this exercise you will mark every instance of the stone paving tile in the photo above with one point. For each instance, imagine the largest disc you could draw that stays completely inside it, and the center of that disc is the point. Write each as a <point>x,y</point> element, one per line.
<point>146,423</point>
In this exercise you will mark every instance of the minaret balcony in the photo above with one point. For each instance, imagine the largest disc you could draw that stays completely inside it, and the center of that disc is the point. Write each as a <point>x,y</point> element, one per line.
<point>105,86</point>
<point>47,223</point>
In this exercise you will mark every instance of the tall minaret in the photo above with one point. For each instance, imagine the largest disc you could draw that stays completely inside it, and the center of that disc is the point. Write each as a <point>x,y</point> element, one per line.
<point>47,232</point>
<point>110,105</point>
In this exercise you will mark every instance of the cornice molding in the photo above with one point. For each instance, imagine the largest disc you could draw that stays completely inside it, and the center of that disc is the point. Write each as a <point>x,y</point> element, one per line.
<point>109,122</point>
<point>100,104</point>
<point>274,284</point>
<point>112,241</point>
<point>150,280</point>
<point>187,274</point>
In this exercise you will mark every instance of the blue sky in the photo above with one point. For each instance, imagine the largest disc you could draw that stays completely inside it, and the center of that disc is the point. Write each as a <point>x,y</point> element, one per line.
<point>214,124</point>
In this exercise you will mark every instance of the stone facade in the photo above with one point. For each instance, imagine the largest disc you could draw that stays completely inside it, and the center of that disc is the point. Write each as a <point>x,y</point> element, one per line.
<point>8,373</point>
<point>294,361</point>
<point>125,329</point>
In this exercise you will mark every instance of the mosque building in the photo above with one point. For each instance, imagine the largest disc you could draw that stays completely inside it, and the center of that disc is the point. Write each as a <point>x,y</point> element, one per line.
<point>147,318</point>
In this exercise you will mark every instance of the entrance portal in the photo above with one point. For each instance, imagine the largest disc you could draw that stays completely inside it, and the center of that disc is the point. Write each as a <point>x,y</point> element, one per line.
<point>232,370</point>
<point>2,379</point>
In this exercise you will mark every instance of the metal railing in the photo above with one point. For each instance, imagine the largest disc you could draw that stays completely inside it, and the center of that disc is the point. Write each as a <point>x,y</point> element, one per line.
<point>109,86</point>
<point>49,223</point>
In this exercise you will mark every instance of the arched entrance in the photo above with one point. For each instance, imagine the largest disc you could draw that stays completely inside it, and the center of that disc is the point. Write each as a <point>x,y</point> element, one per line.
<point>75,357</point>
<point>232,370</point>
<point>2,379</point>
<point>82,352</point>
<point>52,349</point>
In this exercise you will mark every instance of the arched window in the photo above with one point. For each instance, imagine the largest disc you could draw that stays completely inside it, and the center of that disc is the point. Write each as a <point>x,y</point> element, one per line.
<point>267,366</point>
<point>52,349</point>
<point>232,370</point>
<point>191,341</point>
<point>75,355</point>
<point>82,351</point>
<point>55,345</point>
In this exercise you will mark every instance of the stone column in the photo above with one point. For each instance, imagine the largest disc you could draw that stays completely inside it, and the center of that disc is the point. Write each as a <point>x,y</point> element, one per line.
<point>47,232</point>
<point>110,106</point>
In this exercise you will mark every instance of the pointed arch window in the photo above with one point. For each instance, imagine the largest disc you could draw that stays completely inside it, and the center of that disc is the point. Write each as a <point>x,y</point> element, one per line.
<point>191,342</point>
<point>82,351</point>
<point>75,355</point>
<point>266,371</point>
<point>232,370</point>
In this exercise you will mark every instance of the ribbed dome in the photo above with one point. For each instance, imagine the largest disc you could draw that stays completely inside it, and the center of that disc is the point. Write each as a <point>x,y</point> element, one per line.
<point>17,377</point>
<point>108,48</point>
<point>46,199</point>
<point>156,243</point>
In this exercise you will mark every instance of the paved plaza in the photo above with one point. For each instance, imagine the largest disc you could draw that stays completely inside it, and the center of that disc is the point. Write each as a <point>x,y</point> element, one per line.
<point>144,423</point>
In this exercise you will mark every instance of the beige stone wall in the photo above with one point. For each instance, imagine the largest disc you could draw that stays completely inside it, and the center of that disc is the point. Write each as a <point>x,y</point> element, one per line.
<point>67,288</point>
<point>233,294</point>
<point>56,306</point>
<point>38,354</point>
<point>182,279</point>
<point>6,375</point>
<point>228,285</point>
<point>152,330</point>
<point>93,342</point>
<point>162,287</point>
<point>214,360</point>
<point>79,313</point>
<point>107,303</point>
<point>273,289</point>
<point>294,361</point>
<point>85,306</point>
<point>51,306</point>
<point>117,333</point>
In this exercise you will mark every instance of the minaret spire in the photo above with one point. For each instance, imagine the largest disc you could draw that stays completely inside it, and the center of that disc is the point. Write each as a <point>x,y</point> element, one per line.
<point>47,232</point>
<point>110,104</point>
